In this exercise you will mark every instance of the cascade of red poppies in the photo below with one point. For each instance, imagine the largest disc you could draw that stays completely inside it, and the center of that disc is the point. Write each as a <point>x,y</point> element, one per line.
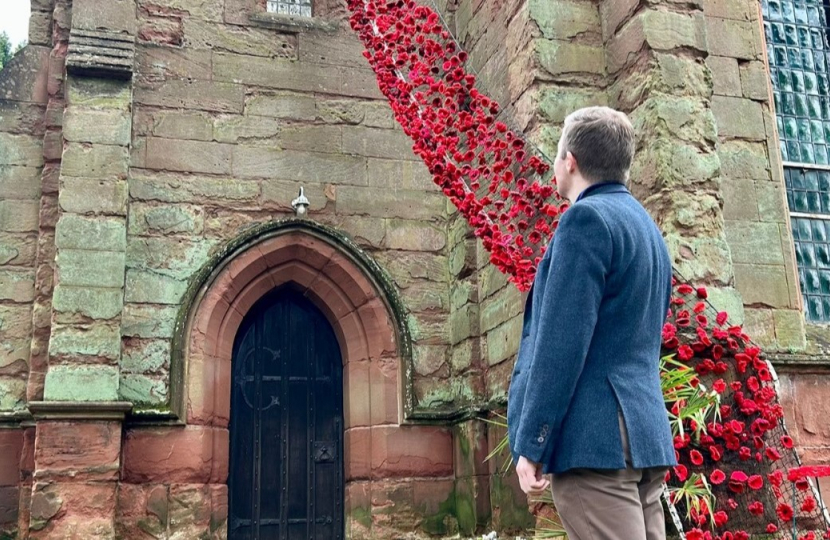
<point>506,194</point>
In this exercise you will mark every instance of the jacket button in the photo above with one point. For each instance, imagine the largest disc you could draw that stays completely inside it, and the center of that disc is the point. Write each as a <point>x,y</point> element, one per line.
<point>541,439</point>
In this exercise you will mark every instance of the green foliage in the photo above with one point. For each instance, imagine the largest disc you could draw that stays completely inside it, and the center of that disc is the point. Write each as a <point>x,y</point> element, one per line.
<point>7,52</point>
<point>695,404</point>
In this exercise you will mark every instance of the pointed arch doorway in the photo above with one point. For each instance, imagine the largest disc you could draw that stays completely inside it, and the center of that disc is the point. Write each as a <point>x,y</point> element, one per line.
<point>286,423</point>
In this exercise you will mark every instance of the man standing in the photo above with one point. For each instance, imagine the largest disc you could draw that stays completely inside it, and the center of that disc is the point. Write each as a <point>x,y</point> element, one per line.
<point>585,400</point>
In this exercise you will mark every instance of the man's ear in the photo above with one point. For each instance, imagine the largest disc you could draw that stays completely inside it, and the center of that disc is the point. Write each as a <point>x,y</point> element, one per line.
<point>570,163</point>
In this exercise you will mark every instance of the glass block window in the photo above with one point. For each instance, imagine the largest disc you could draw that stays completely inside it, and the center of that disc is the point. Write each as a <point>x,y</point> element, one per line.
<point>290,7</point>
<point>799,58</point>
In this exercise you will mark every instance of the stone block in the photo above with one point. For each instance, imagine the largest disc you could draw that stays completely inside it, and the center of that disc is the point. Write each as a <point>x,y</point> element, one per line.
<point>173,188</point>
<point>740,10</point>
<point>81,383</point>
<point>428,359</point>
<point>12,394</point>
<point>159,62</point>
<point>411,451</point>
<point>19,182</point>
<point>561,58</point>
<point>279,194</point>
<point>358,453</point>
<point>759,323</point>
<point>104,126</point>
<point>754,243</point>
<point>659,31</point>
<point>18,249</point>
<point>165,455</point>
<point>168,219</point>
<point>89,196</point>
<point>414,236</point>
<point>725,75</point>
<point>192,94</point>
<point>19,216</point>
<point>739,118</point>
<point>146,321</point>
<point>91,233</point>
<point>246,129</point>
<point>288,106</point>
<point>98,93</point>
<point>324,139</point>
<point>739,200</point>
<point>188,156</point>
<point>178,258</point>
<point>463,323</point>
<point>555,104</point>
<point>207,10</point>
<point>500,307</point>
<point>737,39</point>
<point>379,143</point>
<point>355,200</point>
<point>565,20</point>
<point>772,202</point>
<point>685,119</point>
<point>665,73</point>
<point>503,341</point>
<point>144,389</point>
<point>340,49</point>
<point>92,302</point>
<point>21,150</point>
<point>91,268</point>
<point>98,341</point>
<point>762,285</point>
<point>755,81</point>
<point>744,160</point>
<point>17,285</point>
<point>245,40</point>
<point>78,451</point>
<point>188,125</point>
<point>396,174</point>
<point>262,162</point>
<point>95,161</point>
<point>11,448</point>
<point>147,287</point>
<point>701,259</point>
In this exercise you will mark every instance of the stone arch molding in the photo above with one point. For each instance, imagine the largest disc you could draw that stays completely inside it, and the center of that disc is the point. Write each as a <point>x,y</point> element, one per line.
<point>339,279</point>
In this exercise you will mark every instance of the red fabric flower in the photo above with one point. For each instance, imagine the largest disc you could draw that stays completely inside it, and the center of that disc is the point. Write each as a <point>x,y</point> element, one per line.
<point>756,508</point>
<point>719,386</point>
<point>809,504</point>
<point>696,457</point>
<point>772,528</point>
<point>756,482</point>
<point>737,481</point>
<point>785,512</point>
<point>685,353</point>
<point>717,477</point>
<point>720,518</point>
<point>702,293</point>
<point>681,472</point>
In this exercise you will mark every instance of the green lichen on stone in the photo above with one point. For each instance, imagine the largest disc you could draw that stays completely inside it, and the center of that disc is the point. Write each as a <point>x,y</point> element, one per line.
<point>444,521</point>
<point>362,515</point>
<point>81,383</point>
<point>513,514</point>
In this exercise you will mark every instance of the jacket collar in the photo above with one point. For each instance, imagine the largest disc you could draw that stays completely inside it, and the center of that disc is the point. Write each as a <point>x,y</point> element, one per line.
<point>602,187</point>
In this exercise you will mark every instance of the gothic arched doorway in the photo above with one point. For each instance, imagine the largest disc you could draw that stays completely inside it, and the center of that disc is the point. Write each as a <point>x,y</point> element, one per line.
<point>286,425</point>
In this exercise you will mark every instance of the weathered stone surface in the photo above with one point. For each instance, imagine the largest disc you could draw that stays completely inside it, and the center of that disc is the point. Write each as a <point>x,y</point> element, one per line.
<point>561,58</point>
<point>341,49</point>
<point>164,187</point>
<point>19,216</point>
<point>98,340</point>
<point>261,162</point>
<point>25,76</point>
<point>145,356</point>
<point>18,249</point>
<point>396,174</point>
<point>739,200</point>
<point>80,232</point>
<point>91,268</point>
<point>208,10</point>
<point>192,94</point>
<point>685,119</point>
<point>182,455</point>
<point>19,182</point>
<point>503,341</point>
<point>411,451</point>
<point>146,287</point>
<point>725,74</point>
<point>239,129</point>
<point>21,150</point>
<point>80,451</point>
<point>762,285</point>
<point>189,125</point>
<point>167,219</point>
<point>501,307</point>
<point>287,106</point>
<point>703,259</point>
<point>760,325</point>
<point>565,20</point>
<point>394,204</point>
<point>666,73</point>
<point>754,243</point>
<point>365,231</point>
<point>755,81</point>
<point>144,389</point>
<point>177,258</point>
<point>81,383</point>
<point>737,39</point>
<point>17,285</point>
<point>557,103</point>
<point>789,329</point>
<point>739,118</point>
<point>343,111</point>
<point>326,139</point>
<point>279,194</point>
<point>378,143</point>
<point>148,321</point>
<point>98,93</point>
<point>673,165</point>
<point>742,10</point>
<point>188,156</point>
<point>660,30</point>
<point>414,236</point>
<point>89,196</point>
<point>92,302</point>
<point>106,126</point>
<point>200,34</point>
<point>173,62</point>
<point>94,161</point>
<point>746,160</point>
<point>12,394</point>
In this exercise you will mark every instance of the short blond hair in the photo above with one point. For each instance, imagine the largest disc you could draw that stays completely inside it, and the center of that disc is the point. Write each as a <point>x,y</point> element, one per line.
<point>602,141</point>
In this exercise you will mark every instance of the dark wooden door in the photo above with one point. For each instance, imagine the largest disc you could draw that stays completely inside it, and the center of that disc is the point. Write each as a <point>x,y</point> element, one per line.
<point>286,427</point>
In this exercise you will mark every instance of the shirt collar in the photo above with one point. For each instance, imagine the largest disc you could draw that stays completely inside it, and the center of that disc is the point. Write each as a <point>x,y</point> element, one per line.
<point>602,187</point>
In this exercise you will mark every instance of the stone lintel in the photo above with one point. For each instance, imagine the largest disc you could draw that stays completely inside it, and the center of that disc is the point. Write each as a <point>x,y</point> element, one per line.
<point>80,410</point>
<point>101,54</point>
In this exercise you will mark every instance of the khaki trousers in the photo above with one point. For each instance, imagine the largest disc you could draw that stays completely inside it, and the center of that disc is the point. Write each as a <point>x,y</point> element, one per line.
<point>611,504</point>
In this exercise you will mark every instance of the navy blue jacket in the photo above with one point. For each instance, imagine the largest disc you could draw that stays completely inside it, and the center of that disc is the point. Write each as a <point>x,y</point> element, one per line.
<point>591,341</point>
